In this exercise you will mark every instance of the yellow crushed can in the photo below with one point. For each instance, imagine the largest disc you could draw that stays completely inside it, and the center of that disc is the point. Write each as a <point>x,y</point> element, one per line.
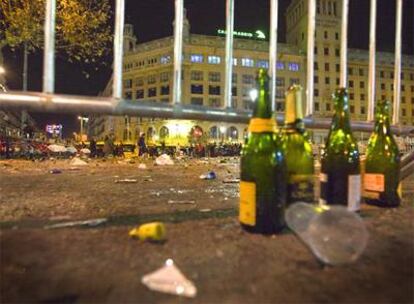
<point>154,231</point>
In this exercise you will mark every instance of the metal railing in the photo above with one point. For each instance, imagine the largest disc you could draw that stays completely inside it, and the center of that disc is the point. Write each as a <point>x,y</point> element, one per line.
<point>47,101</point>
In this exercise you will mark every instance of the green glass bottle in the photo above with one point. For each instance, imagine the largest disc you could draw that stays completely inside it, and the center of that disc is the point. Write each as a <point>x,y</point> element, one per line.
<point>263,169</point>
<point>298,150</point>
<point>340,177</point>
<point>382,164</point>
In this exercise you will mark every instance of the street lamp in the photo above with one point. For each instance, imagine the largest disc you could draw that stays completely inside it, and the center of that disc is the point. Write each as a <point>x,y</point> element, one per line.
<point>82,119</point>
<point>222,131</point>
<point>2,70</point>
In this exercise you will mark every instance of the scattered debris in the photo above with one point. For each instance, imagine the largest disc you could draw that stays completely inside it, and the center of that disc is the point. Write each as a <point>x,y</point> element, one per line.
<point>56,148</point>
<point>205,210</point>
<point>126,181</point>
<point>55,171</point>
<point>163,160</point>
<point>151,231</point>
<point>85,151</point>
<point>78,162</point>
<point>169,279</point>
<point>209,176</point>
<point>142,166</point>
<point>181,202</point>
<point>231,181</point>
<point>90,223</point>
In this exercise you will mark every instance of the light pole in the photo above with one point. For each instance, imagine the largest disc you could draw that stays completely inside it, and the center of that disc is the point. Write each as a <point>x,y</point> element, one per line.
<point>82,119</point>
<point>222,131</point>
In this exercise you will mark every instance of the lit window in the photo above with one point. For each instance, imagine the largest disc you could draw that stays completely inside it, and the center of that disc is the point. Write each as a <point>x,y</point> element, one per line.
<point>247,62</point>
<point>196,89</point>
<point>165,59</point>
<point>196,58</point>
<point>263,64</point>
<point>234,61</point>
<point>214,59</point>
<point>293,66</point>
<point>280,66</point>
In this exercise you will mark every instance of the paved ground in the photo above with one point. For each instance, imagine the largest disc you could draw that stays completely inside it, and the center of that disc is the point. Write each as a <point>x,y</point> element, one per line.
<point>101,264</point>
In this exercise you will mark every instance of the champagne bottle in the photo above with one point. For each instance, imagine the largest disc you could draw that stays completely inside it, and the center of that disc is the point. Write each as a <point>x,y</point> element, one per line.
<point>298,149</point>
<point>382,162</point>
<point>340,177</point>
<point>263,169</point>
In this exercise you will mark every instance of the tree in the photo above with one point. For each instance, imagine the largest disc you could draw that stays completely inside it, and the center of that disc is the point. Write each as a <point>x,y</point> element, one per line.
<point>82,28</point>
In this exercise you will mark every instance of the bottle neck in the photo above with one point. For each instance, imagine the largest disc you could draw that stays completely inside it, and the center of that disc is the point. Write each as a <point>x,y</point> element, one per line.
<point>262,108</point>
<point>293,112</point>
<point>382,124</point>
<point>341,119</point>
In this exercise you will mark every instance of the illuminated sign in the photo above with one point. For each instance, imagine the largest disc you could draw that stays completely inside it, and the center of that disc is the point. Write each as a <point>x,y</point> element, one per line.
<point>256,35</point>
<point>54,129</point>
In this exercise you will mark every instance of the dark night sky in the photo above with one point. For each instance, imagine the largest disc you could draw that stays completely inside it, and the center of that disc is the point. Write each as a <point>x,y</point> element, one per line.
<point>152,19</point>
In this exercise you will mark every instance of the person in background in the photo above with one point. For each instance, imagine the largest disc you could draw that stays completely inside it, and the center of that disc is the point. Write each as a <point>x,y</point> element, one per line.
<point>141,145</point>
<point>92,147</point>
<point>107,148</point>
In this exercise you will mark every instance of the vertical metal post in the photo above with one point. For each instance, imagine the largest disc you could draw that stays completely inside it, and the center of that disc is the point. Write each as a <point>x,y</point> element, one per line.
<point>49,51</point>
<point>397,68</point>
<point>178,50</point>
<point>229,53</point>
<point>371,72</point>
<point>118,48</point>
<point>310,57</point>
<point>344,44</point>
<point>273,51</point>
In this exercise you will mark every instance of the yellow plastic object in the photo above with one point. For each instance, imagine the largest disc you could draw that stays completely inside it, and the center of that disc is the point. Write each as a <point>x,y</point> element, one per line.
<point>151,231</point>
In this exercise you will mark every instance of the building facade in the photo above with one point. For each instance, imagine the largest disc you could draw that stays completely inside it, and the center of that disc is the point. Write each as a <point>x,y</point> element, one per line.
<point>148,70</point>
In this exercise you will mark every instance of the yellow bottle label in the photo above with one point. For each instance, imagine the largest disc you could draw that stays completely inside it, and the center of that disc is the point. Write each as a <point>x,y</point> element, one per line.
<point>247,213</point>
<point>261,125</point>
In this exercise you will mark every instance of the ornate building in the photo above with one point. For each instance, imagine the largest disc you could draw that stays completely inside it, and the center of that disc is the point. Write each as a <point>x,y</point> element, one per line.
<point>148,69</point>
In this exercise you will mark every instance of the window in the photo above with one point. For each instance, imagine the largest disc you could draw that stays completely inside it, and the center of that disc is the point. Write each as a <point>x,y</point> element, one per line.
<point>128,83</point>
<point>361,72</point>
<point>315,66</point>
<point>315,79</point>
<point>164,76</point>
<point>214,102</point>
<point>293,66</point>
<point>214,76</point>
<point>336,33</point>
<point>247,79</point>
<point>152,79</point>
<point>197,75</point>
<point>411,76</point>
<point>326,51</point>
<point>316,92</point>
<point>361,84</point>
<point>350,71</point>
<point>327,67</point>
<point>139,82</point>
<point>337,67</point>
<point>263,64</point>
<point>412,100</point>
<point>328,107</point>
<point>234,91</point>
<point>214,90</point>
<point>412,89</point>
<point>152,92</point>
<point>362,110</point>
<point>294,81</point>
<point>165,59</point>
<point>280,93</point>
<point>351,96</point>
<point>352,109</point>
<point>128,95</point>
<point>325,34</point>
<point>362,97</point>
<point>234,78</point>
<point>214,59</point>
<point>392,87</point>
<point>391,75</point>
<point>315,50</point>
<point>327,80</point>
<point>402,88</point>
<point>196,58</point>
<point>280,66</point>
<point>234,61</point>
<point>197,101</point>
<point>404,112</point>
<point>280,81</point>
<point>196,89</point>
<point>382,86</point>
<point>351,83</point>
<point>337,81</point>
<point>402,99</point>
<point>165,90</point>
<point>337,53</point>
<point>382,74</point>
<point>317,106</point>
<point>247,62</point>
<point>140,94</point>
<point>279,106</point>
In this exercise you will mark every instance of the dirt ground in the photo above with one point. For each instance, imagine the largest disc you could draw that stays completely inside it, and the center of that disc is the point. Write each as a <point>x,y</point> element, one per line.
<point>103,265</point>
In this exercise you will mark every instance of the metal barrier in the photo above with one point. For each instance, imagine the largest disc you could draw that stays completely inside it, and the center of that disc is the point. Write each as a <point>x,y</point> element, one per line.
<point>49,102</point>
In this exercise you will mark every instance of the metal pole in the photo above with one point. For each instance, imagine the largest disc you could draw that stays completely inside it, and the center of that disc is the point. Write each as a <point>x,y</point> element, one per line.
<point>118,48</point>
<point>49,52</point>
<point>229,53</point>
<point>310,57</point>
<point>273,51</point>
<point>371,73</point>
<point>81,128</point>
<point>178,50</point>
<point>397,68</point>
<point>344,44</point>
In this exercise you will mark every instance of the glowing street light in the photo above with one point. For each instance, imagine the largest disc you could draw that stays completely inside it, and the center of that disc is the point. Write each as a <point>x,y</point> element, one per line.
<point>253,94</point>
<point>82,119</point>
<point>2,70</point>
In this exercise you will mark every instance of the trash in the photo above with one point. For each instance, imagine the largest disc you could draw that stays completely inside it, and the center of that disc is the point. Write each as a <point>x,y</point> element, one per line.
<point>169,279</point>
<point>126,181</point>
<point>164,159</point>
<point>181,202</point>
<point>205,210</point>
<point>59,217</point>
<point>56,148</point>
<point>71,149</point>
<point>74,168</point>
<point>77,162</point>
<point>151,231</point>
<point>55,171</point>
<point>334,234</point>
<point>210,175</point>
<point>142,166</point>
<point>231,181</point>
<point>85,151</point>
<point>90,223</point>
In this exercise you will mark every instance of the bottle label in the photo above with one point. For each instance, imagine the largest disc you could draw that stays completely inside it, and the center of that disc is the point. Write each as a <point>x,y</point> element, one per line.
<point>262,125</point>
<point>300,188</point>
<point>247,213</point>
<point>354,192</point>
<point>374,182</point>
